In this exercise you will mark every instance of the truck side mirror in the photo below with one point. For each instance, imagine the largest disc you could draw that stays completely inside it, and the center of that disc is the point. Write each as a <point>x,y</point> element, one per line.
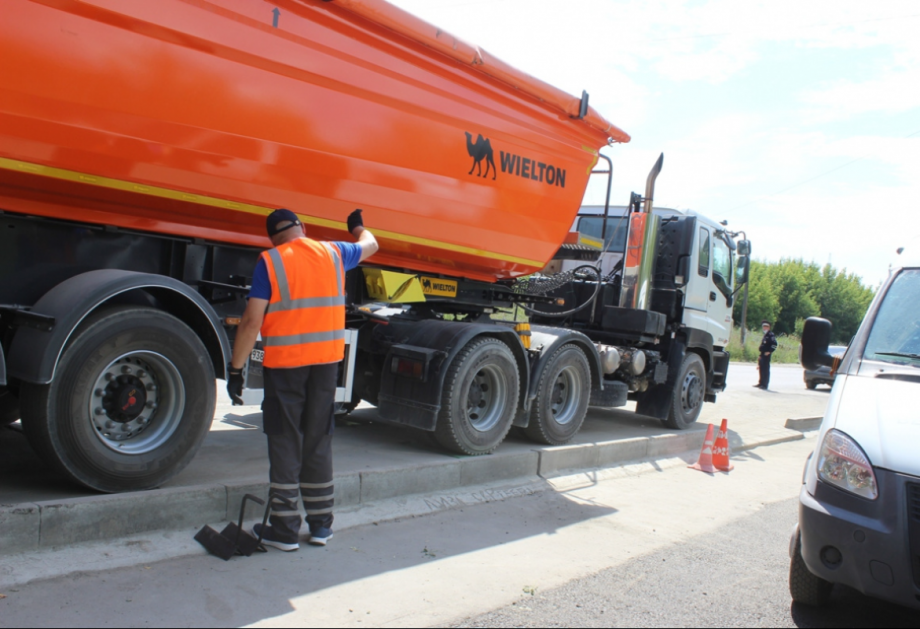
<point>742,271</point>
<point>744,247</point>
<point>816,336</point>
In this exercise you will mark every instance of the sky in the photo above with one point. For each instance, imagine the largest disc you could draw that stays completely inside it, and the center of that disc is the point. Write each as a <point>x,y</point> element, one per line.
<point>796,121</point>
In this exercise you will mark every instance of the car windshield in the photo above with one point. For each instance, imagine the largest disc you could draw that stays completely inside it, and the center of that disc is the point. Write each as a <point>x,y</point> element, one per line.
<point>895,336</point>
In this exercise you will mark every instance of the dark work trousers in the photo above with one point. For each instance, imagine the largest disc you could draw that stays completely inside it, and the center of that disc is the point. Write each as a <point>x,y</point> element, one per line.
<point>764,364</point>
<point>298,415</point>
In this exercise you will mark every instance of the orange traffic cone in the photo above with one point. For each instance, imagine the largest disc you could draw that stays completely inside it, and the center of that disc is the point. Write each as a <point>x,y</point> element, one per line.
<point>720,450</point>
<point>705,462</point>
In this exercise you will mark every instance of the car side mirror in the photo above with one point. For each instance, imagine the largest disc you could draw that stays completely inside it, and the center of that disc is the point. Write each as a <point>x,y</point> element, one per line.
<point>744,247</point>
<point>816,337</point>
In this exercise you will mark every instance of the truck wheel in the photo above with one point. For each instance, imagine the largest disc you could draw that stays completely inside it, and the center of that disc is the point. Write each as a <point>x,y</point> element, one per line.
<point>480,398</point>
<point>562,397</point>
<point>132,399</point>
<point>805,587</point>
<point>811,385</point>
<point>9,407</point>
<point>687,396</point>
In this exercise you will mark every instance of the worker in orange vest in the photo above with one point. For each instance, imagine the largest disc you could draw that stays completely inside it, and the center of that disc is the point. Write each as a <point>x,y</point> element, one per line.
<point>297,302</point>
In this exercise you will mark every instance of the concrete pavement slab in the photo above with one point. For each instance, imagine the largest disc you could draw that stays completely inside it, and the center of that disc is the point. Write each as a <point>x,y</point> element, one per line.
<point>20,526</point>
<point>499,466</point>
<point>434,571</point>
<point>663,446</point>
<point>803,423</point>
<point>92,518</point>
<point>616,452</point>
<point>375,461</point>
<point>403,481</point>
<point>555,459</point>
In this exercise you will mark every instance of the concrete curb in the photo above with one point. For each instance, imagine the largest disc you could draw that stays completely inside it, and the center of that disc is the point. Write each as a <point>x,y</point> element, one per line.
<point>21,525</point>
<point>804,423</point>
<point>46,525</point>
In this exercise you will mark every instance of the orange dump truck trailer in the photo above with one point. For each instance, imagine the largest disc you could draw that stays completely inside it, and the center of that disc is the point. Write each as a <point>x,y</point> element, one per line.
<point>142,144</point>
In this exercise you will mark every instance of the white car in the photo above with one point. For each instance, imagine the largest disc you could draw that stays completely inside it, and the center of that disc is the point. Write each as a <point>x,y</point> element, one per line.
<point>859,507</point>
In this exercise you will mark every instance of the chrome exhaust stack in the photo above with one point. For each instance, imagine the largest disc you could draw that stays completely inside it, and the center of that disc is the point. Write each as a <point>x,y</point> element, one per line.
<point>641,246</point>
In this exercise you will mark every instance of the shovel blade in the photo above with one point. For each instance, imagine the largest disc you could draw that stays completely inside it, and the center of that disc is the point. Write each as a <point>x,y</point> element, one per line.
<point>246,544</point>
<point>215,543</point>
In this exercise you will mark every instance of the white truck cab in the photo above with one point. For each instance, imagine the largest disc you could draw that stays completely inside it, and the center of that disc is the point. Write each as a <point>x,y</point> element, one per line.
<point>713,270</point>
<point>859,506</point>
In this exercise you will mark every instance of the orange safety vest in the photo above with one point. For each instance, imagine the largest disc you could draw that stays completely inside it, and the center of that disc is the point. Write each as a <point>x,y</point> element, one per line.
<point>305,320</point>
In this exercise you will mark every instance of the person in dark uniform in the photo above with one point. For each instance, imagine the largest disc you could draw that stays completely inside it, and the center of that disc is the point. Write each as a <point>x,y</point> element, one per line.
<point>297,303</point>
<point>767,347</point>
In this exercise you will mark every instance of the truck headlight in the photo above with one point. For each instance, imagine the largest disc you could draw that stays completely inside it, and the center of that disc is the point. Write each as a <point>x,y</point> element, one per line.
<point>842,463</point>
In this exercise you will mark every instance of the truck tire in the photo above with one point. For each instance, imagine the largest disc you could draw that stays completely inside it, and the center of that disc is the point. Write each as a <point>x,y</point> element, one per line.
<point>132,399</point>
<point>480,398</point>
<point>562,399</point>
<point>9,408</point>
<point>688,393</point>
<point>805,587</point>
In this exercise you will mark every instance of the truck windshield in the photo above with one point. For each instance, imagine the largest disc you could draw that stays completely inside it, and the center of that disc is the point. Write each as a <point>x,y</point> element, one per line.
<point>616,230</point>
<point>722,266</point>
<point>895,336</point>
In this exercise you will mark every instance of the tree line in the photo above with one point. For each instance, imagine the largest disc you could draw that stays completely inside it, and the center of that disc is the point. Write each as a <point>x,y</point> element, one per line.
<point>789,291</point>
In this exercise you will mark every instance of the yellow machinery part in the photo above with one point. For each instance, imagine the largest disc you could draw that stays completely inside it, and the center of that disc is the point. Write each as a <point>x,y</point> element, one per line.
<point>392,287</point>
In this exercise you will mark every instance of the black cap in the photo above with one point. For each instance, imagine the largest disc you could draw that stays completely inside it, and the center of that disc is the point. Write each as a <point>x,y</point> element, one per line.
<point>280,220</point>
<point>763,323</point>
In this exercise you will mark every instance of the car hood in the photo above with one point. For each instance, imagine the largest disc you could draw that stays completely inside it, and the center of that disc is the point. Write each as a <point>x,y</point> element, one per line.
<point>883,416</point>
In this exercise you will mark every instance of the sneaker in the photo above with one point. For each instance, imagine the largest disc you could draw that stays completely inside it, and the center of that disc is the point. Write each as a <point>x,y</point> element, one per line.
<point>268,541</point>
<point>320,536</point>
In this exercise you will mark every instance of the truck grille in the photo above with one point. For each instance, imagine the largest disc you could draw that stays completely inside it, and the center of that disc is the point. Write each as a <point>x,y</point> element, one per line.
<point>913,526</point>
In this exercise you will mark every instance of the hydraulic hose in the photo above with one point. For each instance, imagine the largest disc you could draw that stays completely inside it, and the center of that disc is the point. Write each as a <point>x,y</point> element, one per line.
<point>566,313</point>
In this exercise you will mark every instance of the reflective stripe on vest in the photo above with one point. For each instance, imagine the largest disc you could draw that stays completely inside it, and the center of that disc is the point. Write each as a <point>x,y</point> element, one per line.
<point>305,320</point>
<point>300,339</point>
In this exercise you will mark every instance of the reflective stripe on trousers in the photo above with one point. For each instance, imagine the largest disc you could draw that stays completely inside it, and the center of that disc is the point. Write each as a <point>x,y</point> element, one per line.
<point>297,415</point>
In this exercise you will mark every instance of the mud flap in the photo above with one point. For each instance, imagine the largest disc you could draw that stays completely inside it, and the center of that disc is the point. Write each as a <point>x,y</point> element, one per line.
<point>656,402</point>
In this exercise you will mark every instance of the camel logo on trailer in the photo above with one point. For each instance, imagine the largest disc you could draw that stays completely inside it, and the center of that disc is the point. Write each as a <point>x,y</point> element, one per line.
<point>526,167</point>
<point>482,149</point>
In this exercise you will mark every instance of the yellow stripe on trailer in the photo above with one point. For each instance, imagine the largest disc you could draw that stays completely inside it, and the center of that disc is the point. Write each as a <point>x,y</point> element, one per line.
<point>176,195</point>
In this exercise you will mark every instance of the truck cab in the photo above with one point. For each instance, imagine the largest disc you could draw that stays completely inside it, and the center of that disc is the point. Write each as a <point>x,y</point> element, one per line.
<point>709,292</point>
<point>714,269</point>
<point>669,280</point>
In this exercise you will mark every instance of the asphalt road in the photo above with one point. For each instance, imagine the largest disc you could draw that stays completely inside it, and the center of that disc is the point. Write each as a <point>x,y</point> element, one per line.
<point>734,577</point>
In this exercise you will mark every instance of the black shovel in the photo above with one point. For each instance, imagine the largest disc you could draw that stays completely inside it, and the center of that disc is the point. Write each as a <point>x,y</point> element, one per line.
<point>233,540</point>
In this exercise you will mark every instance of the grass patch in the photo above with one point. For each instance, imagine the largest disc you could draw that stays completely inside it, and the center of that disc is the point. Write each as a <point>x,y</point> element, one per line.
<point>787,351</point>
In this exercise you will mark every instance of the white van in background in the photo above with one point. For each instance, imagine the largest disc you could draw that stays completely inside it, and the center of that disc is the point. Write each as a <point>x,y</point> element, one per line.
<point>859,507</point>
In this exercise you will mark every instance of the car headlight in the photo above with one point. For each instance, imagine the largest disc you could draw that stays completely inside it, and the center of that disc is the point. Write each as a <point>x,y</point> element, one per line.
<point>842,463</point>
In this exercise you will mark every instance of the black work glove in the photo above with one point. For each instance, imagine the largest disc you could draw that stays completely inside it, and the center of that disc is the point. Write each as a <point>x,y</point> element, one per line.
<point>355,220</point>
<point>235,385</point>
